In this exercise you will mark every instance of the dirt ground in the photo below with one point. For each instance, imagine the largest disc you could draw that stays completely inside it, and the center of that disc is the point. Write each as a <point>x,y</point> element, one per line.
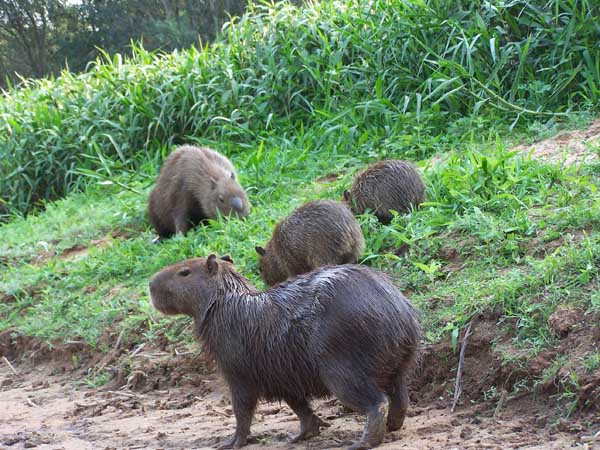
<point>42,410</point>
<point>570,146</point>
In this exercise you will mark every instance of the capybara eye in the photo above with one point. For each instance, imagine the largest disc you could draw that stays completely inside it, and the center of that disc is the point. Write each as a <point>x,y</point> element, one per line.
<point>184,272</point>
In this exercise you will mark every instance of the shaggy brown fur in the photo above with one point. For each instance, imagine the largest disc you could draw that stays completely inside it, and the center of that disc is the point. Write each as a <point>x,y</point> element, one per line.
<point>317,234</point>
<point>340,330</point>
<point>384,186</point>
<point>194,184</point>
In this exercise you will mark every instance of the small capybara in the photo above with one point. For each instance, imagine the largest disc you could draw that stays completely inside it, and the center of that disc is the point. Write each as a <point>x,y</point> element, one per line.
<point>194,184</point>
<point>384,186</point>
<point>339,330</point>
<point>316,234</point>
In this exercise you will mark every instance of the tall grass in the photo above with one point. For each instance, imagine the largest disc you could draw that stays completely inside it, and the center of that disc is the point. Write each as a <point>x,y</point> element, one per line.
<point>380,70</point>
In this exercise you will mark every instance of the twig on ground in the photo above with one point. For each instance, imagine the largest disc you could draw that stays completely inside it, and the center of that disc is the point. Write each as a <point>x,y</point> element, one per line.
<point>32,403</point>
<point>118,343</point>
<point>126,394</point>
<point>9,365</point>
<point>461,358</point>
<point>500,404</point>
<point>137,350</point>
<point>591,438</point>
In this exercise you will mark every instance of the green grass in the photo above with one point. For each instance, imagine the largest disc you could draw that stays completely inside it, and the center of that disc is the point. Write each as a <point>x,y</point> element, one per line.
<point>477,245</point>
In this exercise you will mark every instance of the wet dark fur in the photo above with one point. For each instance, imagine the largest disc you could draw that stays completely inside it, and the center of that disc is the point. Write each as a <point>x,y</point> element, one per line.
<point>194,184</point>
<point>318,233</point>
<point>384,186</point>
<point>342,330</point>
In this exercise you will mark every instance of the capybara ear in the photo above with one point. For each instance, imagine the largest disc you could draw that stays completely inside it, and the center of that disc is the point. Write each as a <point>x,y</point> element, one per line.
<point>227,258</point>
<point>346,195</point>
<point>261,251</point>
<point>211,264</point>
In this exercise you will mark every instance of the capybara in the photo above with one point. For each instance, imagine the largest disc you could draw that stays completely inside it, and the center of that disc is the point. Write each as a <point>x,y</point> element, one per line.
<point>339,330</point>
<point>384,186</point>
<point>316,234</point>
<point>194,184</point>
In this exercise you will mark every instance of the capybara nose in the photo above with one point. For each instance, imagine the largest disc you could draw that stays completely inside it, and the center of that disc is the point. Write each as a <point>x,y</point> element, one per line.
<point>236,203</point>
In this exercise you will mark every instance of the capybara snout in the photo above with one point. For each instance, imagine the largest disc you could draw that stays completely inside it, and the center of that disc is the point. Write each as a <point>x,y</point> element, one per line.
<point>236,205</point>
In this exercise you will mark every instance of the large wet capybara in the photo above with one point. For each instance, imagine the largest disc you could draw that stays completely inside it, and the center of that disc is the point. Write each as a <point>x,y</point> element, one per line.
<point>317,234</point>
<point>194,184</point>
<point>384,186</point>
<point>339,330</point>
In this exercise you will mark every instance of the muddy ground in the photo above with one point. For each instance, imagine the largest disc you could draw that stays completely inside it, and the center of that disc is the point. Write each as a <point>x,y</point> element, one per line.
<point>171,401</point>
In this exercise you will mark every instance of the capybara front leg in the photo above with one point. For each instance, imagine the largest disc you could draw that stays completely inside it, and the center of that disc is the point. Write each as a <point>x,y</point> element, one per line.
<point>243,404</point>
<point>375,428</point>
<point>398,404</point>
<point>310,423</point>
<point>182,224</point>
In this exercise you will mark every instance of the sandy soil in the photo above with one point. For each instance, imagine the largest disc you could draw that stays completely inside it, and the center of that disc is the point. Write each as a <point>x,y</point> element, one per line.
<point>45,411</point>
<point>570,146</point>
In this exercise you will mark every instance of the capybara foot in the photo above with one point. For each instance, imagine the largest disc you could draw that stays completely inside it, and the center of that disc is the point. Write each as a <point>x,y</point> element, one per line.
<point>375,428</point>
<point>234,442</point>
<point>310,429</point>
<point>394,423</point>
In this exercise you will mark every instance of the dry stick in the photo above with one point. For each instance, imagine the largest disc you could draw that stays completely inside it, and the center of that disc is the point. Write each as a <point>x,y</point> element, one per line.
<point>461,358</point>
<point>500,404</point>
<point>10,365</point>
<point>137,350</point>
<point>126,394</point>
<point>118,344</point>
<point>32,404</point>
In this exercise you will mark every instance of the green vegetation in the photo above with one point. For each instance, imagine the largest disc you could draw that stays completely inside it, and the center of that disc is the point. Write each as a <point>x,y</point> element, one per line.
<point>363,78</point>
<point>293,95</point>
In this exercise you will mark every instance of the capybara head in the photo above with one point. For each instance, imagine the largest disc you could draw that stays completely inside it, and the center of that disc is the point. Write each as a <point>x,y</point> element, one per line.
<point>271,271</point>
<point>227,197</point>
<point>185,287</point>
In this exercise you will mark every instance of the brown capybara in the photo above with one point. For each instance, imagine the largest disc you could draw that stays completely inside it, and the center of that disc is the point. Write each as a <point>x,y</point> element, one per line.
<point>339,330</point>
<point>318,233</point>
<point>194,184</point>
<point>384,186</point>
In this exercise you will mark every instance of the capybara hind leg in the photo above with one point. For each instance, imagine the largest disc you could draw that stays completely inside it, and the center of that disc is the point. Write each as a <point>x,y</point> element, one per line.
<point>310,423</point>
<point>243,404</point>
<point>375,429</point>
<point>398,404</point>
<point>358,393</point>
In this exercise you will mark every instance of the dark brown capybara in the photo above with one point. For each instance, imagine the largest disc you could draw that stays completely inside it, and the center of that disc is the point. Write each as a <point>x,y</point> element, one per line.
<point>339,330</point>
<point>194,184</point>
<point>384,186</point>
<point>317,234</point>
